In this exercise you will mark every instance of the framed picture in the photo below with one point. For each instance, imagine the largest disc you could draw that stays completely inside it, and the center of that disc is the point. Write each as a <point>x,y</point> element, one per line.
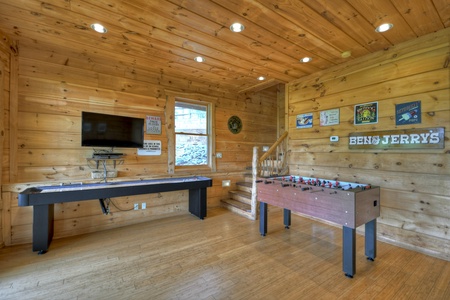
<point>305,120</point>
<point>366,113</point>
<point>329,117</point>
<point>408,113</point>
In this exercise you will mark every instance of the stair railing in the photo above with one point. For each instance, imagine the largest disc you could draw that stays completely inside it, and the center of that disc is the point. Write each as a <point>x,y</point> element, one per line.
<point>274,161</point>
<point>271,163</point>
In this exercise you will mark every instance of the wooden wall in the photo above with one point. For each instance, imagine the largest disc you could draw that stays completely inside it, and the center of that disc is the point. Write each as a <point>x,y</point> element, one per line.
<point>415,184</point>
<point>55,83</point>
<point>8,49</point>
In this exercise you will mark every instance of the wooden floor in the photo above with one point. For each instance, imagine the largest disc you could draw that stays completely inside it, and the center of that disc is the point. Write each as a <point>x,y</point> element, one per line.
<point>221,257</point>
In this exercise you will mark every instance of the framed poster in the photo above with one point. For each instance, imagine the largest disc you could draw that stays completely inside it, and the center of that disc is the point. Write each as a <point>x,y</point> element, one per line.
<point>366,113</point>
<point>305,120</point>
<point>329,117</point>
<point>408,113</point>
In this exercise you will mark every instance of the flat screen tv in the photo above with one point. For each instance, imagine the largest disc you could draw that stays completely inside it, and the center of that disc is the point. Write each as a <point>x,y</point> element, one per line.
<point>100,130</point>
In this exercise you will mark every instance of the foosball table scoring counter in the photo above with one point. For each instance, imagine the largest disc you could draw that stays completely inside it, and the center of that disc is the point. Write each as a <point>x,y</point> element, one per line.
<point>345,203</point>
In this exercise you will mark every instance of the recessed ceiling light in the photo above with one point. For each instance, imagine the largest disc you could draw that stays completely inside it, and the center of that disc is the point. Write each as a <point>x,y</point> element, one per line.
<point>384,27</point>
<point>199,59</point>
<point>237,27</point>
<point>99,28</point>
<point>346,54</point>
<point>261,78</point>
<point>306,59</point>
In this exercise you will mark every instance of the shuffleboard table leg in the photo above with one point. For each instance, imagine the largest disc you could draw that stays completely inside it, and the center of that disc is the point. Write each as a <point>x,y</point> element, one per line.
<point>287,218</point>
<point>42,227</point>
<point>197,202</point>
<point>348,251</point>
<point>263,218</point>
<point>105,209</point>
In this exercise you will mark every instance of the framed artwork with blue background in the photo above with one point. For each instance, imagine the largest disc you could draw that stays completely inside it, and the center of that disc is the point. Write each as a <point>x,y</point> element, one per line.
<point>408,113</point>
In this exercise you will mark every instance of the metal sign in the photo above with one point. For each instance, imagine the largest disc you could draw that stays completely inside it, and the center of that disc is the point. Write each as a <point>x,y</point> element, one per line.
<point>408,113</point>
<point>150,148</point>
<point>153,125</point>
<point>417,138</point>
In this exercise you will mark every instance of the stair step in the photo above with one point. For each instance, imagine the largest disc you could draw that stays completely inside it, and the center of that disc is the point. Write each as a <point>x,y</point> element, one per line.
<point>241,196</point>
<point>248,177</point>
<point>244,186</point>
<point>238,207</point>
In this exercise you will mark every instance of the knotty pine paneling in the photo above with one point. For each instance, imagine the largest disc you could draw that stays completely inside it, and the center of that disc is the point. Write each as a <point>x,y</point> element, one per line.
<point>55,84</point>
<point>415,184</point>
<point>7,50</point>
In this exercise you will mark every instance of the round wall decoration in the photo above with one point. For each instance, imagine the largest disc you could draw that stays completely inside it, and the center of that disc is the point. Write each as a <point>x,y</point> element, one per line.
<point>234,124</point>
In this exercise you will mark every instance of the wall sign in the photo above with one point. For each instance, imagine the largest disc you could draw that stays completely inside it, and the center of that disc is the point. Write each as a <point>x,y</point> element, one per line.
<point>150,148</point>
<point>366,113</point>
<point>153,125</point>
<point>417,138</point>
<point>305,120</point>
<point>408,113</point>
<point>329,117</point>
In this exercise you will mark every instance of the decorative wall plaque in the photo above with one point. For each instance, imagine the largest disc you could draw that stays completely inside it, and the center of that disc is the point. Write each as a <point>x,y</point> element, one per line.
<point>366,113</point>
<point>416,138</point>
<point>305,120</point>
<point>408,113</point>
<point>329,117</point>
<point>234,124</point>
<point>153,125</point>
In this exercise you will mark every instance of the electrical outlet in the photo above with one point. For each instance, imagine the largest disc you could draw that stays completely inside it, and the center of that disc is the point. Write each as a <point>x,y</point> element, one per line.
<point>136,206</point>
<point>144,205</point>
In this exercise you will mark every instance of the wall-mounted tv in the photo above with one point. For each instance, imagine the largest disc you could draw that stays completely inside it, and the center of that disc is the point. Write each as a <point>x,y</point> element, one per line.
<point>101,130</point>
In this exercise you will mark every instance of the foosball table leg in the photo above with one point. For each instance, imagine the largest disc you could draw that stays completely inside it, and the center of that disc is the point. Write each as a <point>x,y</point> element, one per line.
<point>348,251</point>
<point>371,239</point>
<point>287,218</point>
<point>263,218</point>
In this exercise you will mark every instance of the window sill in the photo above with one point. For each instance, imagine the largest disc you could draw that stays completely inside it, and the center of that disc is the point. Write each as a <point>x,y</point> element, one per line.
<point>193,169</point>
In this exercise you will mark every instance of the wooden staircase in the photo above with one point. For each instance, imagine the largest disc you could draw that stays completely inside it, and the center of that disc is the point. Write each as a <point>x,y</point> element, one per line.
<point>272,163</point>
<point>239,200</point>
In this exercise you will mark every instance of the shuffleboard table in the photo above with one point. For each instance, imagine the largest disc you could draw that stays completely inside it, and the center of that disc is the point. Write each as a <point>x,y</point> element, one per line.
<point>345,203</point>
<point>43,198</point>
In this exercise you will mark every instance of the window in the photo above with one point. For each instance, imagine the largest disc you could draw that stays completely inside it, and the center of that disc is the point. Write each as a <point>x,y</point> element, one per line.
<point>192,134</point>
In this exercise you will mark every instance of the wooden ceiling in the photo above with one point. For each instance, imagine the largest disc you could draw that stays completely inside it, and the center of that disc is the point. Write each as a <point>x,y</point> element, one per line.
<point>163,37</point>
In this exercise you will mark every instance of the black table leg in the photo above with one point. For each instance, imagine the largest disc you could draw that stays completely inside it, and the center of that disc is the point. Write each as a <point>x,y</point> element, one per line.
<point>287,218</point>
<point>348,251</point>
<point>263,218</point>
<point>197,202</point>
<point>371,239</point>
<point>42,227</point>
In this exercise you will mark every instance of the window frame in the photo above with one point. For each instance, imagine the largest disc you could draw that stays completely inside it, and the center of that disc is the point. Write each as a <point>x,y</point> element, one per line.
<point>211,163</point>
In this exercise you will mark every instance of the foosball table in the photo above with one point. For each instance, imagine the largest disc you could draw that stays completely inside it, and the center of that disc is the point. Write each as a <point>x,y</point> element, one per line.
<point>348,204</point>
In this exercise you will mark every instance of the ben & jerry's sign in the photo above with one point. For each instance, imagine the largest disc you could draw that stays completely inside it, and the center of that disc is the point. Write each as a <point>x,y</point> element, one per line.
<point>418,138</point>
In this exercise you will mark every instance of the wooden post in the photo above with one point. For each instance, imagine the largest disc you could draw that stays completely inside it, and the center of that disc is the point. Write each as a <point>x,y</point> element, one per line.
<point>2,135</point>
<point>254,203</point>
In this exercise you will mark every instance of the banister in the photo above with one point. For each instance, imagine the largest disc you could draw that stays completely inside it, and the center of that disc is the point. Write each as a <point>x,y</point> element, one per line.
<point>273,147</point>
